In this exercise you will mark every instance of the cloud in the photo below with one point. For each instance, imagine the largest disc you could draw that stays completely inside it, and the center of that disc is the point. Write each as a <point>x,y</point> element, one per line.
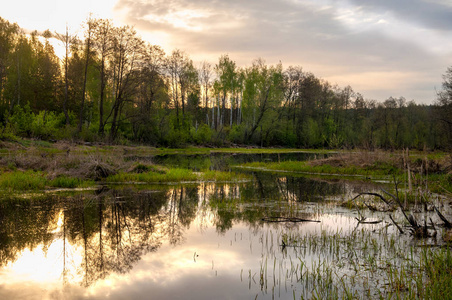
<point>338,40</point>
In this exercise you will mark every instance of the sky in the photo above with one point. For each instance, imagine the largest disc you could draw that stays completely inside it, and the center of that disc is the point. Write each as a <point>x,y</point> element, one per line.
<point>381,48</point>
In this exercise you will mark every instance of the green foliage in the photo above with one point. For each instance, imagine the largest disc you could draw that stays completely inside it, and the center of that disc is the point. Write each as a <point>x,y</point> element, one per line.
<point>158,101</point>
<point>7,133</point>
<point>202,135</point>
<point>42,125</point>
<point>47,125</point>
<point>21,120</point>
<point>177,138</point>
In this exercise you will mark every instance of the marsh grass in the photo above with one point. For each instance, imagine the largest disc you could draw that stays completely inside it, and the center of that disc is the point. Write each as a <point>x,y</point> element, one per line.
<point>172,175</point>
<point>37,180</point>
<point>438,268</point>
<point>176,175</point>
<point>69,182</point>
<point>18,181</point>
<point>224,176</point>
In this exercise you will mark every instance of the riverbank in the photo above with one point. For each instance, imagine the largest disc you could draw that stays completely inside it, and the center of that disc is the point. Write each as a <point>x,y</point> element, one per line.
<point>36,165</point>
<point>432,170</point>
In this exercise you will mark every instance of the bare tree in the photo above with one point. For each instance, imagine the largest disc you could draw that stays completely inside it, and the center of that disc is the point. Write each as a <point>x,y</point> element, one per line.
<point>103,45</point>
<point>67,41</point>
<point>205,76</point>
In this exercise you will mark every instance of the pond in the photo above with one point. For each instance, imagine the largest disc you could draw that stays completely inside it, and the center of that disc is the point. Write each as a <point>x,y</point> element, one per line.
<point>203,241</point>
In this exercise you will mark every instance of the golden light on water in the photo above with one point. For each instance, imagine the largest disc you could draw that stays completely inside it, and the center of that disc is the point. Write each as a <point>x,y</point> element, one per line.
<point>45,265</point>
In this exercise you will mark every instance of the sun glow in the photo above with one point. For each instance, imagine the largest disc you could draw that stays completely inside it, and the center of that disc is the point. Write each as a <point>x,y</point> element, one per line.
<point>46,264</point>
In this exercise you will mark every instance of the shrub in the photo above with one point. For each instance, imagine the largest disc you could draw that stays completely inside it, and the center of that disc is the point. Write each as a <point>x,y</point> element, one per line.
<point>203,135</point>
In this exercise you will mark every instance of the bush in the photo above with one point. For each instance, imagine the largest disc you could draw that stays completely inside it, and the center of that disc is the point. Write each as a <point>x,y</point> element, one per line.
<point>203,135</point>
<point>177,138</point>
<point>43,125</point>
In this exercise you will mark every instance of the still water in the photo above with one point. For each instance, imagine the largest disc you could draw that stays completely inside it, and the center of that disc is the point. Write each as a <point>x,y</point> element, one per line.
<point>197,241</point>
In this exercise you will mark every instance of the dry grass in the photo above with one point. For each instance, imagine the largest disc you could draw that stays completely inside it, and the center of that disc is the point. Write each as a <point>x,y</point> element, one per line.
<point>66,160</point>
<point>360,159</point>
<point>367,160</point>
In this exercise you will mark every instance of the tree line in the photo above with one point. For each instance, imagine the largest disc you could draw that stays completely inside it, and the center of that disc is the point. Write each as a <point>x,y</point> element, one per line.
<point>112,86</point>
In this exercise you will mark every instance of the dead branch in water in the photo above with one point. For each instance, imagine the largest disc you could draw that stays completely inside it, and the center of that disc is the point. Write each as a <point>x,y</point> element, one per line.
<point>447,224</point>
<point>397,225</point>
<point>363,221</point>
<point>287,219</point>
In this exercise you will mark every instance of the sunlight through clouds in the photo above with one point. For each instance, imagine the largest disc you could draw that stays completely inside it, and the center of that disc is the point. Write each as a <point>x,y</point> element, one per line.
<point>342,41</point>
<point>334,39</point>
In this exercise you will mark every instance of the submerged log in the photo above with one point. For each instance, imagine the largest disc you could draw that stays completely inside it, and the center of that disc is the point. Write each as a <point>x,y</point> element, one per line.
<point>287,219</point>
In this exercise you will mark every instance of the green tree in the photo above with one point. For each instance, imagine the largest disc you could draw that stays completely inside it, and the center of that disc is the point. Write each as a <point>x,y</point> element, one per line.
<point>262,95</point>
<point>126,58</point>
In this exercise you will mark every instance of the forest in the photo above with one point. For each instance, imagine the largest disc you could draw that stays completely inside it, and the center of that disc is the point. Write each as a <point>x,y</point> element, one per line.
<point>111,86</point>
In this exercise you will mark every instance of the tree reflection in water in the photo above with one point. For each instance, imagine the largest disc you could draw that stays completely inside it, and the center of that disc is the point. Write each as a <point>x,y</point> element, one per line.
<point>112,229</point>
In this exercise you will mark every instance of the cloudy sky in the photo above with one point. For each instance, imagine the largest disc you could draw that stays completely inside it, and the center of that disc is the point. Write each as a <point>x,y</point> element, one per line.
<point>381,48</point>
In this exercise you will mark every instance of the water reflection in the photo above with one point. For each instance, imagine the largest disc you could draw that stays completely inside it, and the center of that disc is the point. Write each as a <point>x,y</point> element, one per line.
<point>198,241</point>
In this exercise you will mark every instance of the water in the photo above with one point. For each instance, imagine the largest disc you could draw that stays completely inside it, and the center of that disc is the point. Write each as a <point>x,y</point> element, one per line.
<point>198,241</point>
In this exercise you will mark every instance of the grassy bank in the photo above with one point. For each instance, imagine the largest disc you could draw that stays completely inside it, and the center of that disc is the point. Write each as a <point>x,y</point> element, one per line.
<point>432,170</point>
<point>36,180</point>
<point>64,164</point>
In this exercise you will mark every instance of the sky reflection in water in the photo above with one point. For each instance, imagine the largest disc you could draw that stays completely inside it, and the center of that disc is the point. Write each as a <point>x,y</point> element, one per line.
<point>194,242</point>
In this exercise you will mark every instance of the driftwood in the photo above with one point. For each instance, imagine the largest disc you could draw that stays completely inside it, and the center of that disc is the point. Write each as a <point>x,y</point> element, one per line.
<point>363,221</point>
<point>376,195</point>
<point>397,225</point>
<point>287,219</point>
<point>416,229</point>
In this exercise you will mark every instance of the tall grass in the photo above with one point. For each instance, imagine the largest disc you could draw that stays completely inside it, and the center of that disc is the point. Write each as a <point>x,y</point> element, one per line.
<point>20,181</point>
<point>438,268</point>
<point>177,175</point>
<point>37,180</point>
<point>172,175</point>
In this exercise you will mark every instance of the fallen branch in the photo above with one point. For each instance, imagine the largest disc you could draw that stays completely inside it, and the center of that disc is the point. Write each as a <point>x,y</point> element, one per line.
<point>287,219</point>
<point>376,195</point>
<point>397,225</point>
<point>447,224</point>
<point>362,221</point>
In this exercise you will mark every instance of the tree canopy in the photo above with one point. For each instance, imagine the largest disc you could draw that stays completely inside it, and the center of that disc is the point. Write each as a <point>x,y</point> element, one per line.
<point>111,86</point>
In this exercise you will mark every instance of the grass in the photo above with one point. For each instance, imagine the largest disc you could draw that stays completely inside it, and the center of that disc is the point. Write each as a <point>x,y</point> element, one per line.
<point>307,167</point>
<point>69,182</point>
<point>23,181</point>
<point>37,180</point>
<point>438,268</point>
<point>172,175</point>
<point>176,175</point>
